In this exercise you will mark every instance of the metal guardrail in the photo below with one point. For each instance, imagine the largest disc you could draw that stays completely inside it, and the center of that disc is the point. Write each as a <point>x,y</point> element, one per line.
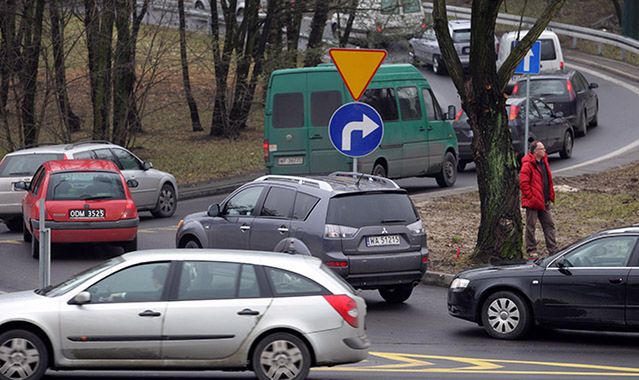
<point>625,44</point>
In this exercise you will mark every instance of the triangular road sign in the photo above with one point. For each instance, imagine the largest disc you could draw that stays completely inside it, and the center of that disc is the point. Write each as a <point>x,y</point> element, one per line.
<point>357,67</point>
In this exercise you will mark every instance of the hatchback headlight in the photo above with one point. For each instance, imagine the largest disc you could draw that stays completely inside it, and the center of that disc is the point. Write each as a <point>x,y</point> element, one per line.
<point>459,283</point>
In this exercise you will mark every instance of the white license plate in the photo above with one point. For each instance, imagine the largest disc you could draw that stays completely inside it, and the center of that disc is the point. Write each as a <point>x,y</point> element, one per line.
<point>298,160</point>
<point>376,241</point>
<point>87,213</point>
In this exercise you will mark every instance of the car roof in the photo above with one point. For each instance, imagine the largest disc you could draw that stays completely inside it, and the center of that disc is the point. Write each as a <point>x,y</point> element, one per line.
<point>634,229</point>
<point>62,148</point>
<point>522,33</point>
<point>336,183</point>
<point>459,24</point>
<point>556,74</point>
<point>70,165</point>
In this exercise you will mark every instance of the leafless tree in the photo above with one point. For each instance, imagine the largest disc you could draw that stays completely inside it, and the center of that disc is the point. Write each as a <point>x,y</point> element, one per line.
<point>190,101</point>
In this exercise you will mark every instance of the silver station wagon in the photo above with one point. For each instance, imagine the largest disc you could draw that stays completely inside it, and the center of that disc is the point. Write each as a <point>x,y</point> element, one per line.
<point>275,314</point>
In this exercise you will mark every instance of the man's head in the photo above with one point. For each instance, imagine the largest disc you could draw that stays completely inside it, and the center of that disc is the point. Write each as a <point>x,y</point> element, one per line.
<point>538,149</point>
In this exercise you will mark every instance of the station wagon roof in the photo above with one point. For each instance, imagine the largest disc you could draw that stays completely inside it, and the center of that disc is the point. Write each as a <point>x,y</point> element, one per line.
<point>60,148</point>
<point>338,182</point>
<point>66,165</point>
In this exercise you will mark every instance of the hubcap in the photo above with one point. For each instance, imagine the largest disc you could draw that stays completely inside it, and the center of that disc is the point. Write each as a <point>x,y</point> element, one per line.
<point>449,170</point>
<point>281,360</point>
<point>503,315</point>
<point>18,358</point>
<point>167,200</point>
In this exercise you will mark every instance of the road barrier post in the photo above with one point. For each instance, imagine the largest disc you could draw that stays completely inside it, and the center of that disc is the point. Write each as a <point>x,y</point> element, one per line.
<point>44,249</point>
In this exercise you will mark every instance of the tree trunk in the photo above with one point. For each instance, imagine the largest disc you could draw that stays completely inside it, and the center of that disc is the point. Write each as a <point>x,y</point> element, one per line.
<point>500,233</point>
<point>313,52</point>
<point>222,59</point>
<point>7,62</point>
<point>295,13</point>
<point>195,116</point>
<point>122,73</point>
<point>352,11</point>
<point>70,119</point>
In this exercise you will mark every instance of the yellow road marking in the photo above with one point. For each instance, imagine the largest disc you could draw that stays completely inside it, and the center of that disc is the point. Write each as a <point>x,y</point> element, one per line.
<point>11,242</point>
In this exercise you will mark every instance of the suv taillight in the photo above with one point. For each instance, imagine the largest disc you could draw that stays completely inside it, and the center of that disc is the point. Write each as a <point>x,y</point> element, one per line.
<point>265,147</point>
<point>514,112</point>
<point>333,231</point>
<point>130,211</point>
<point>346,307</point>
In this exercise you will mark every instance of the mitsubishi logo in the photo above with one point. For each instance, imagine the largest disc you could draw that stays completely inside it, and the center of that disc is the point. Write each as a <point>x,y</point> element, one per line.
<point>384,230</point>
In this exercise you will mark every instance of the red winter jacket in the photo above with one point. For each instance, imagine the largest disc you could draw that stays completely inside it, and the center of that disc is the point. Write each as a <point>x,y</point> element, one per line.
<point>531,183</point>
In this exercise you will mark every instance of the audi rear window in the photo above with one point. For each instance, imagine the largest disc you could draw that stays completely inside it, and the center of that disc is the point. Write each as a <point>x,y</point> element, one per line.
<point>371,209</point>
<point>85,186</point>
<point>541,87</point>
<point>25,164</point>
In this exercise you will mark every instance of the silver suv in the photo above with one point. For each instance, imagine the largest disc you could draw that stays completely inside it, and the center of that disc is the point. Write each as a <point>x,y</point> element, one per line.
<point>157,190</point>
<point>363,227</point>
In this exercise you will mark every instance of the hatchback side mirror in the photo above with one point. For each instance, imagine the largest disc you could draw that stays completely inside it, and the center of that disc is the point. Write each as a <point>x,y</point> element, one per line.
<point>80,298</point>
<point>21,185</point>
<point>146,165</point>
<point>451,112</point>
<point>132,183</point>
<point>214,210</point>
<point>593,86</point>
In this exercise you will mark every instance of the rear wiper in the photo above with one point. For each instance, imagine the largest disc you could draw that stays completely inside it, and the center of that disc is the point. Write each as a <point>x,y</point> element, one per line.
<point>97,197</point>
<point>385,221</point>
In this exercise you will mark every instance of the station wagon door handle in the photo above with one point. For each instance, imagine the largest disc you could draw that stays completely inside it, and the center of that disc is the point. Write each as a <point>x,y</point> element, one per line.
<point>283,229</point>
<point>245,228</point>
<point>248,312</point>
<point>316,137</point>
<point>150,313</point>
<point>615,281</point>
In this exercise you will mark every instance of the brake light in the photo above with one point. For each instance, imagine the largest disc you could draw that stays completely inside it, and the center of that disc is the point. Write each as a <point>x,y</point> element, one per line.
<point>345,307</point>
<point>570,89</point>
<point>378,28</point>
<point>424,25</point>
<point>561,65</point>
<point>130,211</point>
<point>516,89</point>
<point>337,264</point>
<point>265,147</point>
<point>459,114</point>
<point>514,112</point>
<point>425,259</point>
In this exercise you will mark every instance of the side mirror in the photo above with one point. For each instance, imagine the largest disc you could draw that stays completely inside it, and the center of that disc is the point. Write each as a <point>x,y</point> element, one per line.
<point>132,183</point>
<point>80,299</point>
<point>563,265</point>
<point>593,86</point>
<point>146,165</point>
<point>21,185</point>
<point>451,112</point>
<point>214,210</point>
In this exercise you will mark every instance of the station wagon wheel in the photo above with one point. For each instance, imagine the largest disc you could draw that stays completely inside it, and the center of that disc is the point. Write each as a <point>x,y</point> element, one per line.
<point>412,56</point>
<point>281,356</point>
<point>583,125</point>
<point>438,65</point>
<point>448,174</point>
<point>23,356</point>
<point>566,151</point>
<point>167,202</point>
<point>14,224</point>
<point>505,316</point>
<point>26,235</point>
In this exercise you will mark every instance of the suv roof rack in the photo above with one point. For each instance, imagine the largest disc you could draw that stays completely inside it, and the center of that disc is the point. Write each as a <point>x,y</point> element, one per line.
<point>73,145</point>
<point>368,177</point>
<point>298,180</point>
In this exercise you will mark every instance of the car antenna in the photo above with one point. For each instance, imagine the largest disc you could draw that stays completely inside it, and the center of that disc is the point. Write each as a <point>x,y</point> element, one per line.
<point>361,175</point>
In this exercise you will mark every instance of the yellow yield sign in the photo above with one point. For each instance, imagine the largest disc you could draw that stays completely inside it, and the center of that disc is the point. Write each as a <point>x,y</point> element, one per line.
<point>357,67</point>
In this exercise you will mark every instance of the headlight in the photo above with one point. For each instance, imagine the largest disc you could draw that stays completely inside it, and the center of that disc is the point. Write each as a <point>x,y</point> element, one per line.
<point>459,283</point>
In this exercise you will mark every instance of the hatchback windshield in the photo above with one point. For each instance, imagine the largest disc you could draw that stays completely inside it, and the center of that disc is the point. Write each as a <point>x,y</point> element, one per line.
<point>371,209</point>
<point>63,287</point>
<point>25,164</point>
<point>542,87</point>
<point>85,186</point>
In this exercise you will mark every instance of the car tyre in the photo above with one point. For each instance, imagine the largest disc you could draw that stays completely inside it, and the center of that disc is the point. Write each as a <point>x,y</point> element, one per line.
<point>192,244</point>
<point>35,248</point>
<point>14,224</point>
<point>30,352</point>
<point>438,65</point>
<point>199,5</point>
<point>167,202</point>
<point>448,174</point>
<point>413,58</point>
<point>505,315</point>
<point>380,170</point>
<point>583,125</point>
<point>461,165</point>
<point>396,294</point>
<point>569,142</point>
<point>595,119</point>
<point>281,356</point>
<point>26,235</point>
<point>130,246</point>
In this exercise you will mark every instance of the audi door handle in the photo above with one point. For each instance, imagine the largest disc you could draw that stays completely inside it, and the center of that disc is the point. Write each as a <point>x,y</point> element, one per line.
<point>615,280</point>
<point>245,228</point>
<point>248,312</point>
<point>283,229</point>
<point>316,137</point>
<point>150,313</point>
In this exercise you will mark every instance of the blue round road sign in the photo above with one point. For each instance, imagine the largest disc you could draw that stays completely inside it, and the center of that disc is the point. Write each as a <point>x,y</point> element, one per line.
<point>356,129</point>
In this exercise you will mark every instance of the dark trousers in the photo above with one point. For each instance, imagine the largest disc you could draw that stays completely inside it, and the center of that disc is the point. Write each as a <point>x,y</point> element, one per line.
<point>547,225</point>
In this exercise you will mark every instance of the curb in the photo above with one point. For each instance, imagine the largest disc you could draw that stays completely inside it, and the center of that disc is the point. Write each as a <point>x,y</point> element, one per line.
<point>605,66</point>
<point>221,186</point>
<point>438,279</point>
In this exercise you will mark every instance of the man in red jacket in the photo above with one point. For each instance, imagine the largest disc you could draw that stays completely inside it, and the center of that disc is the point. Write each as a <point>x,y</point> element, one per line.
<point>537,195</point>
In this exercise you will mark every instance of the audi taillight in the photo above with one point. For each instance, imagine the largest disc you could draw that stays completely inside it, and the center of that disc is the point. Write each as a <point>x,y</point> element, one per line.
<point>516,89</point>
<point>346,307</point>
<point>265,147</point>
<point>130,211</point>
<point>570,89</point>
<point>514,112</point>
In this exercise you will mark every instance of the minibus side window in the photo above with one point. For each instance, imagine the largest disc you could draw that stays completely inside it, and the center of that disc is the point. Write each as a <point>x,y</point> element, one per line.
<point>409,103</point>
<point>323,105</point>
<point>288,110</point>
<point>383,100</point>
<point>432,107</point>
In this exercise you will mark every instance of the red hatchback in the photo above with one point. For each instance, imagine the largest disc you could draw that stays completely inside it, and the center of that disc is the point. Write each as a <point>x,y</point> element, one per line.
<point>86,201</point>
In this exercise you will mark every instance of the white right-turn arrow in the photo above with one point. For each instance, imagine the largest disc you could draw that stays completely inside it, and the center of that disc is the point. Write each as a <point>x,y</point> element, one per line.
<point>367,126</point>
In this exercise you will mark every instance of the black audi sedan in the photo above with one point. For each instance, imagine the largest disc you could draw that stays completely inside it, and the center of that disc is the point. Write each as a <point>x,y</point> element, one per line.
<point>592,284</point>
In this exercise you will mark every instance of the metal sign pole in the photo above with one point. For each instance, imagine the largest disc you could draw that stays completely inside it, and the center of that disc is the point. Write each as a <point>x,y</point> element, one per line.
<point>527,108</point>
<point>354,164</point>
<point>44,249</point>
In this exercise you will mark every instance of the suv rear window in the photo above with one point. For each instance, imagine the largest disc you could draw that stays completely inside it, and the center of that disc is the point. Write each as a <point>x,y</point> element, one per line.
<point>367,209</point>
<point>461,35</point>
<point>548,50</point>
<point>25,164</point>
<point>85,186</point>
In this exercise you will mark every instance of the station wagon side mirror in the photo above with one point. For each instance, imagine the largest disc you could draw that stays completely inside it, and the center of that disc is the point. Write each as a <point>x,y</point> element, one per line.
<point>451,112</point>
<point>132,183</point>
<point>80,299</point>
<point>21,185</point>
<point>146,165</point>
<point>214,210</point>
<point>593,86</point>
<point>563,265</point>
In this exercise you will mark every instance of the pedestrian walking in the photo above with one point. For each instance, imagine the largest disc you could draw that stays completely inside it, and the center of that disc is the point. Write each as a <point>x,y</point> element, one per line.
<point>537,196</point>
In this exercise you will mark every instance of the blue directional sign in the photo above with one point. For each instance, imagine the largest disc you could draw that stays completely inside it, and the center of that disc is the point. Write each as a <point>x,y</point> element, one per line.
<point>356,129</point>
<point>530,64</point>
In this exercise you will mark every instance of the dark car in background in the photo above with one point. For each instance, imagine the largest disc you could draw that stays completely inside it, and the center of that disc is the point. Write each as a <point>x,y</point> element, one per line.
<point>592,284</point>
<point>342,218</point>
<point>543,124</point>
<point>565,91</point>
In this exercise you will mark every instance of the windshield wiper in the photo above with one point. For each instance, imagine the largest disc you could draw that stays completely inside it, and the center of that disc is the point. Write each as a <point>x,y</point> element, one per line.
<point>44,291</point>
<point>385,221</point>
<point>98,197</point>
<point>20,173</point>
